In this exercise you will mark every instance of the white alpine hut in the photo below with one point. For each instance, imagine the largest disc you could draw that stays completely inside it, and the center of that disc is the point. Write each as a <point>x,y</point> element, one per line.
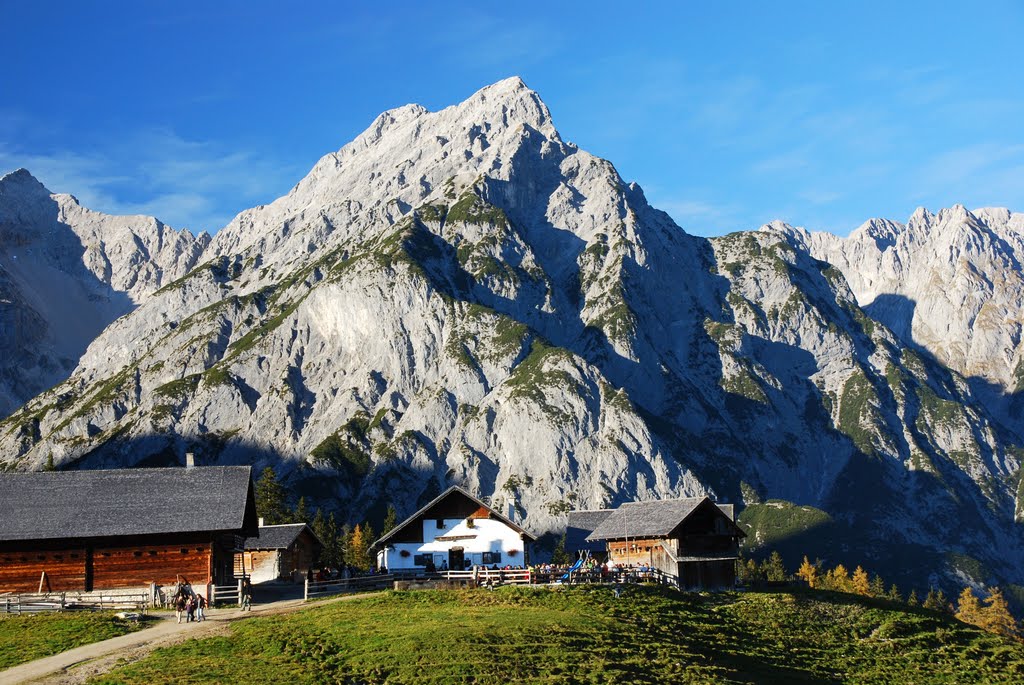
<point>455,531</point>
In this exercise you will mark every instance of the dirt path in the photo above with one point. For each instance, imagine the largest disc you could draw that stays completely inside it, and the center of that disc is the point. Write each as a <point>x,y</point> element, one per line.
<point>76,666</point>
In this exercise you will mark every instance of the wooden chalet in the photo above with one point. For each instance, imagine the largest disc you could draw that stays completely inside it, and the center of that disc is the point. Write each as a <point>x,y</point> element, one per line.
<point>454,531</point>
<point>96,530</point>
<point>692,539</point>
<point>285,551</point>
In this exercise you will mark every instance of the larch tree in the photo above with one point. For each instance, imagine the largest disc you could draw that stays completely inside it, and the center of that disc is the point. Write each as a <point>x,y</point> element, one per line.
<point>968,609</point>
<point>861,584</point>
<point>996,616</point>
<point>808,573</point>
<point>839,578</point>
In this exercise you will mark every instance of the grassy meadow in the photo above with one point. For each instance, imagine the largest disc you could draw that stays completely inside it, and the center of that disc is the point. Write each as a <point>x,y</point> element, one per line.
<point>28,637</point>
<point>586,635</point>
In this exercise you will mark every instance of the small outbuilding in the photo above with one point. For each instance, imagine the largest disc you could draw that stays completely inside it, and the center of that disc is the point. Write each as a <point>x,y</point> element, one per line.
<point>692,539</point>
<point>281,552</point>
<point>454,531</point>
<point>123,528</point>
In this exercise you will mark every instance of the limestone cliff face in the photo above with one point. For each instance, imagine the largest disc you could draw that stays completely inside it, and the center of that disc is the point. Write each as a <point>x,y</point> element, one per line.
<point>463,297</point>
<point>65,273</point>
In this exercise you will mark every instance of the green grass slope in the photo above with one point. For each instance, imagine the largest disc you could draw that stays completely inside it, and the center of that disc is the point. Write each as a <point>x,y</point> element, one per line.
<point>586,635</point>
<point>25,638</point>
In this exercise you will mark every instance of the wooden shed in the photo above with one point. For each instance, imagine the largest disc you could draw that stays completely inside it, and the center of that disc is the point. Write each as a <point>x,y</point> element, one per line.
<point>93,530</point>
<point>693,539</point>
<point>285,551</point>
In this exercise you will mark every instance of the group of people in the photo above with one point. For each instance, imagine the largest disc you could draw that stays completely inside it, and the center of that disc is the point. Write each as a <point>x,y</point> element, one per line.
<point>188,603</point>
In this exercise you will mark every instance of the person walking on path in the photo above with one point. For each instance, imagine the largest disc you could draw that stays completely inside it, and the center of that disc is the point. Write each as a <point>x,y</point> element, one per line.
<point>246,595</point>
<point>200,608</point>
<point>190,609</point>
<point>179,605</point>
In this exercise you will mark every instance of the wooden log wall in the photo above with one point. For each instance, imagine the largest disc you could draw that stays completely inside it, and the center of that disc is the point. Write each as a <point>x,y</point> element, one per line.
<point>161,564</point>
<point>20,570</point>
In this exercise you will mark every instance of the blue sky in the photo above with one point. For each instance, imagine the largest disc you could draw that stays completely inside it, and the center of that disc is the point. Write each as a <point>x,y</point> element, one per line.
<point>729,114</point>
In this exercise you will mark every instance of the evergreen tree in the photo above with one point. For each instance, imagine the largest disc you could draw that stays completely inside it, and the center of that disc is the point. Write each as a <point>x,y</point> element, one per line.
<point>995,615</point>
<point>559,556</point>
<point>894,594</point>
<point>860,584</point>
<point>912,598</point>
<point>270,498</point>
<point>936,600</point>
<point>49,463</point>
<point>772,568</point>
<point>300,514</point>
<point>390,520</point>
<point>752,572</point>
<point>968,609</point>
<point>808,573</point>
<point>335,543</point>
<point>877,586</point>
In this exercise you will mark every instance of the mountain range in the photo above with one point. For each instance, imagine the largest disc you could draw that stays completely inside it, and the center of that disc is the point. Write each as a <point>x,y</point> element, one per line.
<point>464,297</point>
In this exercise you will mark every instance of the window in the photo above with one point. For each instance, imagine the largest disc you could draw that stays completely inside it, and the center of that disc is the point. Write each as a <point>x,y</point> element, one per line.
<point>491,558</point>
<point>440,524</point>
<point>421,559</point>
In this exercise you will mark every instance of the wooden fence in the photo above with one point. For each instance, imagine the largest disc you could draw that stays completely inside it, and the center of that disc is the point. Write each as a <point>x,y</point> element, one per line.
<point>486,576</point>
<point>323,588</point>
<point>71,601</point>
<point>225,594</point>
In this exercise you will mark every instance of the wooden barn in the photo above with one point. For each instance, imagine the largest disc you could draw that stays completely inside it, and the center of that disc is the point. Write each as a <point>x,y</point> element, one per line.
<point>285,551</point>
<point>97,530</point>
<point>455,531</point>
<point>693,539</point>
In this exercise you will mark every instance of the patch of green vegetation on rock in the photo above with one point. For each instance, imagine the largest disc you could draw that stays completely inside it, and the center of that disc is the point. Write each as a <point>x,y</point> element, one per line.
<point>858,412</point>
<point>343,451</point>
<point>473,209</point>
<point>937,411</point>
<point>771,522</point>
<point>179,389</point>
<point>744,383</point>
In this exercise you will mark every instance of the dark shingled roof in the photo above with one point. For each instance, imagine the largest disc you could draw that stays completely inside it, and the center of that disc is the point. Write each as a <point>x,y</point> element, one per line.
<point>278,537</point>
<point>581,524</point>
<point>50,505</point>
<point>655,518</point>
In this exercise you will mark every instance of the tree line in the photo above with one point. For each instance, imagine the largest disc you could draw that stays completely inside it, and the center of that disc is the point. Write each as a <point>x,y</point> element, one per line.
<point>991,613</point>
<point>343,545</point>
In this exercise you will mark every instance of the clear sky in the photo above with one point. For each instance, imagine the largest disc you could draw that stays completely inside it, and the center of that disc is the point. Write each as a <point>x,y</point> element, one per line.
<point>729,114</point>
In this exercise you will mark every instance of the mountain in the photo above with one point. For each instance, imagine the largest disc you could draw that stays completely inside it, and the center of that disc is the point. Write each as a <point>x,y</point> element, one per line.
<point>65,273</point>
<point>464,297</point>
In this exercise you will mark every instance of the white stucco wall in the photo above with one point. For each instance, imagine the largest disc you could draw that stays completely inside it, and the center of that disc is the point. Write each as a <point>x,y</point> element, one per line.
<point>486,535</point>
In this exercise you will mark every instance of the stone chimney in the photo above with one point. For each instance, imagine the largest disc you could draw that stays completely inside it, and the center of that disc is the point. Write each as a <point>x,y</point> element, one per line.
<point>190,460</point>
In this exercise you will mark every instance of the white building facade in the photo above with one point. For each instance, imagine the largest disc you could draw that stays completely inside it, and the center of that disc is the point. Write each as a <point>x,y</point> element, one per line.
<point>455,531</point>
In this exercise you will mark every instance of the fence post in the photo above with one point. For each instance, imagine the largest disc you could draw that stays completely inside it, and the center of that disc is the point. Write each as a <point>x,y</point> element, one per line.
<point>239,592</point>
<point>212,596</point>
<point>305,590</point>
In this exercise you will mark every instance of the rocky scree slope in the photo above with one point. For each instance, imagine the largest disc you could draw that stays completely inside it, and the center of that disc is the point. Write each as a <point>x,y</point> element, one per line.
<point>66,272</point>
<point>462,296</point>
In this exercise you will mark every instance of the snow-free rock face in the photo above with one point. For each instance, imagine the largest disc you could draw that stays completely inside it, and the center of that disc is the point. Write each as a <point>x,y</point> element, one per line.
<point>65,273</point>
<point>463,297</point>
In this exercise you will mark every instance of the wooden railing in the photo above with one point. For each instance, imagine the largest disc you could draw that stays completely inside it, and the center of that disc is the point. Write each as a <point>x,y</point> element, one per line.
<point>487,576</point>
<point>71,601</point>
<point>225,594</point>
<point>323,588</point>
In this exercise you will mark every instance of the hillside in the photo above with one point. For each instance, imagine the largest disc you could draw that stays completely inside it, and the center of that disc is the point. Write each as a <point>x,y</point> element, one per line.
<point>587,635</point>
<point>462,296</point>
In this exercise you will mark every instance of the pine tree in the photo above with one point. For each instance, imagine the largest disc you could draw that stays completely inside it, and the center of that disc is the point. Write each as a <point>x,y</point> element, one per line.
<point>773,569</point>
<point>860,584</point>
<point>270,498</point>
<point>753,572</point>
<point>300,514</point>
<point>968,609</point>
<point>326,531</point>
<point>894,594</point>
<point>995,615</point>
<point>808,573</point>
<point>559,557</point>
<point>936,600</point>
<point>49,463</point>
<point>912,598</point>
<point>877,586</point>
<point>390,520</point>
